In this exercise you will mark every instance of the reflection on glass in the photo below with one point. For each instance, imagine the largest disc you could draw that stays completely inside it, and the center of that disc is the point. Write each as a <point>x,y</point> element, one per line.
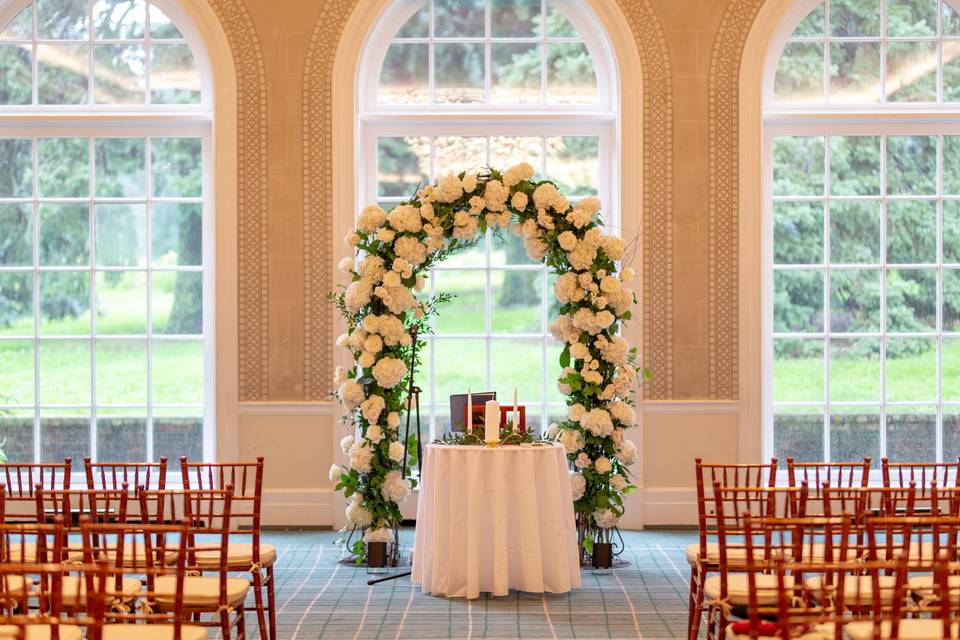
<point>854,72</point>
<point>571,78</point>
<point>854,300</point>
<point>855,369</point>
<point>178,436</point>
<point>573,162</point>
<point>121,372</point>
<point>178,371</point>
<point>62,73</point>
<point>119,167</point>
<point>798,165</point>
<point>799,76</point>
<point>516,301</point>
<point>16,374</point>
<point>64,235</point>
<point>176,166</point>
<point>797,432</point>
<point>16,304</point>
<point>65,372</point>
<point>515,73</point>
<point>798,300</point>
<point>458,73</point>
<point>16,228</point>
<point>911,71</point>
<point>911,231</point>
<point>404,75</point>
<point>62,19</point>
<point>855,231</point>
<point>403,163</point>
<point>174,78</point>
<point>16,62</point>
<point>176,234</point>
<point>798,370</point>
<point>911,369</point>
<point>466,312</point>
<point>177,302</point>
<point>121,303</point>
<point>951,433</point>
<point>64,303</point>
<point>798,232</point>
<point>63,167</point>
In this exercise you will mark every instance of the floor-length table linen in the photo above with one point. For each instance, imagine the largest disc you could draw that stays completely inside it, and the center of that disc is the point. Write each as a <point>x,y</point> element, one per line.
<point>491,520</point>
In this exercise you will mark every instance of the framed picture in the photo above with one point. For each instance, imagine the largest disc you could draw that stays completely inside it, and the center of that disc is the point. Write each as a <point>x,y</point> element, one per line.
<point>458,409</point>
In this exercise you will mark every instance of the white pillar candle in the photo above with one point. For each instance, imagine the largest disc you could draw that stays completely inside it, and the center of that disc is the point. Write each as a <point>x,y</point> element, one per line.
<point>516,412</point>
<point>491,421</point>
<point>469,411</point>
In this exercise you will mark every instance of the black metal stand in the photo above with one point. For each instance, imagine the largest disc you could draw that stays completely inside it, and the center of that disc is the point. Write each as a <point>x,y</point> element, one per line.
<point>413,405</point>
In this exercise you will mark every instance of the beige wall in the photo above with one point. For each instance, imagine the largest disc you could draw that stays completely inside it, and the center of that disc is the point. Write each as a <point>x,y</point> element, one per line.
<point>690,331</point>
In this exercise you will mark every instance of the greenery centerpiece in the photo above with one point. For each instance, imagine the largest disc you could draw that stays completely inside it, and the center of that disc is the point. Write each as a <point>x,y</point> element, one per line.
<point>394,252</point>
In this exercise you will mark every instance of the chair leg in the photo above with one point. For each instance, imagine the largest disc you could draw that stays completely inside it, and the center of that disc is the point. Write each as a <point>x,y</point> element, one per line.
<point>258,599</point>
<point>701,575</point>
<point>692,599</point>
<point>241,623</point>
<point>272,602</point>
<point>225,624</point>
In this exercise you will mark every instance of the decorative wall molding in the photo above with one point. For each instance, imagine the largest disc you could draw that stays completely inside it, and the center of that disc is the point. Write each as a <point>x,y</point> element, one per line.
<point>251,196</point>
<point>688,407</point>
<point>325,408</point>
<point>657,207</point>
<point>723,307</point>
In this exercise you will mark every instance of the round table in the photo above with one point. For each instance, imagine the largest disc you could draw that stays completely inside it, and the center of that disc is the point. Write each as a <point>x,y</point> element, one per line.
<point>491,520</point>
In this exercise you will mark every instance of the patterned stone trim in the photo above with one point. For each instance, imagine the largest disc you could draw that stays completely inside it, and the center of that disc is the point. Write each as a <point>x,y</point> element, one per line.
<point>725,198</point>
<point>657,205</point>
<point>251,196</point>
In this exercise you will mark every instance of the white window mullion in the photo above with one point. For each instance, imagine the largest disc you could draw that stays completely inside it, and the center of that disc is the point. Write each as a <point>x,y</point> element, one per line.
<point>92,291</point>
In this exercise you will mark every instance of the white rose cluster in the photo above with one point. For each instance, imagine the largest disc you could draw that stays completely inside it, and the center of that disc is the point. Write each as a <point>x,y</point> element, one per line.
<point>627,453</point>
<point>378,535</point>
<point>395,487</point>
<point>389,372</point>
<point>578,484</point>
<point>356,514</point>
<point>360,457</point>
<point>605,518</point>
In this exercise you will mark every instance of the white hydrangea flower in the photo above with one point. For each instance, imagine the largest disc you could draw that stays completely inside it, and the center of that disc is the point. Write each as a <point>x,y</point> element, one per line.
<point>627,453</point>
<point>571,439</point>
<point>389,372</point>
<point>582,461</point>
<point>622,413</point>
<point>394,487</point>
<point>619,483</point>
<point>374,433</point>
<point>371,409</point>
<point>357,515</point>
<point>448,189</point>
<point>396,451</point>
<point>351,394</point>
<point>469,182</point>
<point>576,412</point>
<point>371,218</point>
<point>627,274</point>
<point>605,518</point>
<point>517,174</point>
<point>603,465</point>
<point>366,359</point>
<point>346,442</point>
<point>345,265</point>
<point>334,473</point>
<point>613,246</point>
<point>405,218</point>
<point>567,240</point>
<point>553,430</point>
<point>579,351</point>
<point>393,419</point>
<point>519,201</point>
<point>378,535</point>
<point>358,295</point>
<point>578,484</point>
<point>360,457</point>
<point>597,421</point>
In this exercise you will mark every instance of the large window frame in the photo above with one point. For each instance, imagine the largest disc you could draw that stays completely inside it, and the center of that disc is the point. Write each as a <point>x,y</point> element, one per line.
<point>135,121</point>
<point>823,119</point>
<point>600,119</point>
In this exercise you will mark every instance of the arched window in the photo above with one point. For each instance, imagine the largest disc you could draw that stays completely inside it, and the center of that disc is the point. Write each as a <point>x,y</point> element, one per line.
<point>862,242</point>
<point>453,85</point>
<point>105,259</point>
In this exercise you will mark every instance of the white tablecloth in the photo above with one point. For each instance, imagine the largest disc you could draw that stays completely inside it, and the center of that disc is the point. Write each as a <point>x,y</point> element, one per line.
<point>491,520</point>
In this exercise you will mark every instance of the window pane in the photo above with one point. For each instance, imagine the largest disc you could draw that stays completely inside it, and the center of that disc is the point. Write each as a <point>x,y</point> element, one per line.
<point>798,165</point>
<point>854,433</point>
<point>458,73</point>
<point>573,162</point>
<point>121,303</point>
<point>453,154</point>
<point>16,304</point>
<point>404,75</point>
<point>64,235</point>
<point>119,73</point>
<point>177,303</point>
<point>16,373</point>
<point>63,166</point>
<point>506,151</point>
<point>912,231</point>
<point>557,24</point>
<point>121,372</point>
<point>506,248</point>
<point>951,230</point>
<point>16,235</point>
<point>855,165</point>
<point>176,166</point>
<point>122,436</point>
<point>65,372</point>
<point>911,18</point>
<point>16,167</point>
<point>798,232</point>
<point>16,85</point>
<point>63,436</point>
<point>64,303</point>
<point>554,349</point>
<point>458,18</point>
<point>854,18</point>
<point>951,165</point>
<point>854,72</point>
<point>514,18</point>
<point>911,300</point>
<point>951,71</point>
<point>798,370</point>
<point>855,370</point>
<point>951,434</point>
<point>174,78</point>
<point>855,231</point>
<point>912,434</point>
<point>951,300</point>
<point>463,364</point>
<point>161,27</point>
<point>121,235</point>
<point>178,372</point>
<point>402,165</point>
<point>911,164</point>
<point>515,73</point>
<point>950,370</point>
<point>911,369</point>
<point>16,431</point>
<point>854,300</point>
<point>799,75</point>
<point>571,78</point>
<point>912,71</point>
<point>118,20</point>
<point>62,19</point>
<point>798,433</point>
<point>119,165</point>
<point>20,28</point>
<point>812,25</point>
<point>798,301</point>
<point>466,312</point>
<point>516,300</point>
<point>417,25</point>
<point>62,73</point>
<point>521,363</point>
<point>950,25</point>
<point>177,436</point>
<point>176,234</point>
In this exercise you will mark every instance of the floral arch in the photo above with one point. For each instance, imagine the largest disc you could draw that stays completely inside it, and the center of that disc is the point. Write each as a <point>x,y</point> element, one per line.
<point>381,308</point>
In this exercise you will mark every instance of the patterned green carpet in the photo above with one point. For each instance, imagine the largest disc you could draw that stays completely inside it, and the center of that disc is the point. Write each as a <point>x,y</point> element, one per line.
<point>319,597</point>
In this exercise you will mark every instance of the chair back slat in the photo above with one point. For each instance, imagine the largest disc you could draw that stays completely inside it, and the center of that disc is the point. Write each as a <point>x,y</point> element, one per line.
<point>921,474</point>
<point>21,480</point>
<point>834,474</point>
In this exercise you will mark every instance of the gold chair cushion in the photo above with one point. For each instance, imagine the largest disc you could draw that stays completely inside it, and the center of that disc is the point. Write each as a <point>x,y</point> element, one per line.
<point>15,584</point>
<point>738,588</point>
<point>912,629</point>
<point>735,555</point>
<point>27,553</point>
<point>239,555</point>
<point>201,591</point>
<point>41,632</point>
<point>75,590</point>
<point>857,592</point>
<point>151,632</point>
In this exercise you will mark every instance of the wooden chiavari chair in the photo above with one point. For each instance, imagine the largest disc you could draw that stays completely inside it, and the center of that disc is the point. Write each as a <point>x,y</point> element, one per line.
<point>922,475</point>
<point>116,475</point>
<point>704,556</point>
<point>31,543</point>
<point>71,506</point>
<point>247,553</point>
<point>208,513</point>
<point>16,618</point>
<point>157,611</point>
<point>816,475</point>
<point>21,480</point>
<point>727,591</point>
